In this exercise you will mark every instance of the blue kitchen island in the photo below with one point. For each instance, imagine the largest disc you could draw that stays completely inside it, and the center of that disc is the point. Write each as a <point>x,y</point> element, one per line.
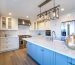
<point>47,52</point>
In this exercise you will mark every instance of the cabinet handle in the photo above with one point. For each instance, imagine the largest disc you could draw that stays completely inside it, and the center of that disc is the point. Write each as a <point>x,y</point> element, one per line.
<point>71,63</point>
<point>42,50</point>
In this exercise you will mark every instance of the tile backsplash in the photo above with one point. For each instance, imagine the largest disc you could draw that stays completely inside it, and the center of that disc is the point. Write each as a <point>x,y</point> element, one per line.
<point>8,33</point>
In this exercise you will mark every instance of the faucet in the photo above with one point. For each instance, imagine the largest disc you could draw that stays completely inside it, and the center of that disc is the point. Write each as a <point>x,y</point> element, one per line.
<point>53,35</point>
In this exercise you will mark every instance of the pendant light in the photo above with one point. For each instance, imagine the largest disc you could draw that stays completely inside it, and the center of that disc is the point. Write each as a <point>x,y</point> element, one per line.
<point>50,14</point>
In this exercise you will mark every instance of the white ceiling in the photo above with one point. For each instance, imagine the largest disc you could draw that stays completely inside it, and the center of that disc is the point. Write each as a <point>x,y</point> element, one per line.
<point>23,8</point>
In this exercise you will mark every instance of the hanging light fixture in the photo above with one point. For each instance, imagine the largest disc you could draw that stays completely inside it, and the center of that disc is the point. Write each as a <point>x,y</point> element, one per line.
<point>39,16</point>
<point>50,14</point>
<point>55,12</point>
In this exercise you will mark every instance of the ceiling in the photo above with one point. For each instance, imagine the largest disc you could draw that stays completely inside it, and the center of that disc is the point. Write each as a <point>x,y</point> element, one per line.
<point>23,8</point>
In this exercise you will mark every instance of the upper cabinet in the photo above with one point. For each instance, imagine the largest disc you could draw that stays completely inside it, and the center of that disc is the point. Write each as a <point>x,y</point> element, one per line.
<point>8,23</point>
<point>40,25</point>
<point>33,26</point>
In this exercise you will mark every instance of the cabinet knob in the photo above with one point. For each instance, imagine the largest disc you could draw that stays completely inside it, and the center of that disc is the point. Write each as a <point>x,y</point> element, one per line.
<point>42,50</point>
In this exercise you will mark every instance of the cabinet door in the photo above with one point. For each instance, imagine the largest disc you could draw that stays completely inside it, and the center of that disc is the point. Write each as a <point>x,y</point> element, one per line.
<point>34,51</point>
<point>61,59</point>
<point>13,43</point>
<point>48,57</point>
<point>73,62</point>
<point>29,49</point>
<point>14,24</point>
<point>32,27</point>
<point>3,23</point>
<point>39,55</point>
<point>9,23</point>
<point>3,44</point>
<point>69,61</point>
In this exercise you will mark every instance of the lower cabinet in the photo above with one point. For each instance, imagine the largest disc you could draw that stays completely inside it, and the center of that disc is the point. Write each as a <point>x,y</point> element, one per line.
<point>41,55</point>
<point>29,50</point>
<point>10,43</point>
<point>61,59</point>
<point>71,61</point>
<point>47,57</point>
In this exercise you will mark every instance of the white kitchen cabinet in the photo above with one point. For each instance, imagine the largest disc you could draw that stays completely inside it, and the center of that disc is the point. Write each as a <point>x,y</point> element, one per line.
<point>14,24</point>
<point>9,43</point>
<point>43,25</point>
<point>40,26</point>
<point>33,26</point>
<point>13,43</point>
<point>8,23</point>
<point>3,23</point>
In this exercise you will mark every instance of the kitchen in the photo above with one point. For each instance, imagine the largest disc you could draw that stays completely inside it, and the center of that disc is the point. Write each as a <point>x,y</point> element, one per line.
<point>40,33</point>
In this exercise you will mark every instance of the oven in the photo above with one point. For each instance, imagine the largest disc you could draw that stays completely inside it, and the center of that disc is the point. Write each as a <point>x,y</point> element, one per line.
<point>22,43</point>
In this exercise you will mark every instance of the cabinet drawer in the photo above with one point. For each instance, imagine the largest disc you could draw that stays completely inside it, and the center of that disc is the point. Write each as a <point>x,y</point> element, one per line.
<point>60,59</point>
<point>73,61</point>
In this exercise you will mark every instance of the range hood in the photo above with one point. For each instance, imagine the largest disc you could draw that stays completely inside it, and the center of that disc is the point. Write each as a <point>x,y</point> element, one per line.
<point>24,22</point>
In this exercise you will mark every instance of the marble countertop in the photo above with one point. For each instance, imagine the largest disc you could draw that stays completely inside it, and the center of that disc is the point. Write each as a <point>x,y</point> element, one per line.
<point>56,45</point>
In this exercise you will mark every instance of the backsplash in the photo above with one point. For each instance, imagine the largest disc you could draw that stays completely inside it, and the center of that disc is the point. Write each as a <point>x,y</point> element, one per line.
<point>37,32</point>
<point>23,30</point>
<point>8,33</point>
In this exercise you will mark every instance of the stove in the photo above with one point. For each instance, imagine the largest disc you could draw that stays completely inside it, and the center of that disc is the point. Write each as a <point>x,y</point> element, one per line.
<point>22,43</point>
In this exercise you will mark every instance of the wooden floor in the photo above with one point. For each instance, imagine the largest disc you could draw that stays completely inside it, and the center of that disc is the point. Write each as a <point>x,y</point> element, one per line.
<point>18,57</point>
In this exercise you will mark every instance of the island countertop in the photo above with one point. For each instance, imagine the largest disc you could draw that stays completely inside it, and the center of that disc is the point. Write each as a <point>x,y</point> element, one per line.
<point>56,45</point>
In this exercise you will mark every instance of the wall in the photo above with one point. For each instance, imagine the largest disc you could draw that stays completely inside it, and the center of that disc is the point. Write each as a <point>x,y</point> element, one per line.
<point>56,24</point>
<point>37,32</point>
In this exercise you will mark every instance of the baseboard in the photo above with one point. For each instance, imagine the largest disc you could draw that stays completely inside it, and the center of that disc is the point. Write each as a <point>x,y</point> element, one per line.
<point>2,51</point>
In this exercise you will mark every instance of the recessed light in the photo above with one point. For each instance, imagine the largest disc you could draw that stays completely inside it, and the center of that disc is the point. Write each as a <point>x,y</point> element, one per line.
<point>27,16</point>
<point>62,9</point>
<point>10,13</point>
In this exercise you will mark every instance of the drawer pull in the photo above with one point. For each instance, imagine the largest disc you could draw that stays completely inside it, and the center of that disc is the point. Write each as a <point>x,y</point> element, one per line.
<point>71,63</point>
<point>42,50</point>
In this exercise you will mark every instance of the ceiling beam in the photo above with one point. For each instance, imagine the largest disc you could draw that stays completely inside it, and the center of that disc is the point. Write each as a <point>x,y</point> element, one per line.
<point>45,2</point>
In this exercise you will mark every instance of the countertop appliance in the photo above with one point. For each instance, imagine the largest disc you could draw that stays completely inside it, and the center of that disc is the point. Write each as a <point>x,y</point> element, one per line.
<point>22,43</point>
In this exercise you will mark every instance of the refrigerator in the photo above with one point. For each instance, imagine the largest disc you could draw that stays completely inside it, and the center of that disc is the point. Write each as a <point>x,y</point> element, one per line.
<point>67,28</point>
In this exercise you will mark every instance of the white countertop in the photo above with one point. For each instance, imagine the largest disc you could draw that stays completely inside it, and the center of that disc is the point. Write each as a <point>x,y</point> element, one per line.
<point>57,45</point>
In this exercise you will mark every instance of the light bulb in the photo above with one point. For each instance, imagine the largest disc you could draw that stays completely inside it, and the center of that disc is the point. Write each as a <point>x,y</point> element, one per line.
<point>53,14</point>
<point>62,9</point>
<point>23,22</point>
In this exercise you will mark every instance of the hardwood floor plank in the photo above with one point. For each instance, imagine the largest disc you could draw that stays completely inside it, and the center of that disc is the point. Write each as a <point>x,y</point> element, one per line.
<point>18,57</point>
